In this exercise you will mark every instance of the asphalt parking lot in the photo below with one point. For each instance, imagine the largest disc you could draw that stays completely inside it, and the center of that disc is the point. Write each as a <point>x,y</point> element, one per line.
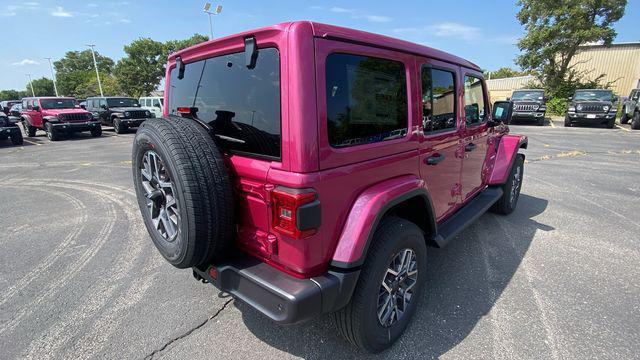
<point>558,279</point>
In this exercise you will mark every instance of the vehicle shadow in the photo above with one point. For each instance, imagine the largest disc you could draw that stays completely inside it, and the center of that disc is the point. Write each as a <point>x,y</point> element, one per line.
<point>465,280</point>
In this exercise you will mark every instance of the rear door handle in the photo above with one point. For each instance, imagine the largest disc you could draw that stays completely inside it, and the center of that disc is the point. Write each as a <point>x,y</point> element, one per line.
<point>434,159</point>
<point>470,147</point>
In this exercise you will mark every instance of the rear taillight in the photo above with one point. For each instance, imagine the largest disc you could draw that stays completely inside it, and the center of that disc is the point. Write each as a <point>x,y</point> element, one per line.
<point>296,212</point>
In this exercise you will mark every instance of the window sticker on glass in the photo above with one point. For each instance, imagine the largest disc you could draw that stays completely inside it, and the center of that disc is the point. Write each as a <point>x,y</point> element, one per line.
<point>499,112</point>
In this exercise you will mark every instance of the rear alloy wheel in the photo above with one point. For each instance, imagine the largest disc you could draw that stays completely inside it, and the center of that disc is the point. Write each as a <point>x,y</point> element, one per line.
<point>511,189</point>
<point>184,192</point>
<point>119,127</point>
<point>52,134</point>
<point>29,130</point>
<point>624,118</point>
<point>635,123</point>
<point>389,287</point>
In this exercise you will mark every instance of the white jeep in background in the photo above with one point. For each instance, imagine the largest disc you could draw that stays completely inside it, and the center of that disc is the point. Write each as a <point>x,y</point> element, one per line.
<point>155,104</point>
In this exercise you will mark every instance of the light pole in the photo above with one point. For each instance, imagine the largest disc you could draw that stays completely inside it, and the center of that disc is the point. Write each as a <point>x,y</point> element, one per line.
<point>33,93</point>
<point>218,10</point>
<point>53,76</point>
<point>95,63</point>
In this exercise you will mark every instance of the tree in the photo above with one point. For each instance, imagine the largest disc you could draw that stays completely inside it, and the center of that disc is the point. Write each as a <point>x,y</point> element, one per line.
<point>12,94</point>
<point>554,31</point>
<point>141,70</point>
<point>90,87</point>
<point>77,68</point>
<point>504,72</point>
<point>41,87</point>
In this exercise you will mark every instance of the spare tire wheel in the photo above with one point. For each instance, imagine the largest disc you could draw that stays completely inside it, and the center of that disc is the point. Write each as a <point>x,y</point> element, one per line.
<point>183,191</point>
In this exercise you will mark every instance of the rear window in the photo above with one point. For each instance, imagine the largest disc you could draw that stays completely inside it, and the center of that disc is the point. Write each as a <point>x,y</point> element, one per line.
<point>366,100</point>
<point>242,105</point>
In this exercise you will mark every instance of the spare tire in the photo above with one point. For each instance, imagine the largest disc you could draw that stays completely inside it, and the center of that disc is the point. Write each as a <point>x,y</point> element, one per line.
<point>183,191</point>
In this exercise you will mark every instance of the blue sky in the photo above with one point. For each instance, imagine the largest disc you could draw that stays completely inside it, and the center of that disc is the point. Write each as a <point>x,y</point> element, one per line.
<point>485,35</point>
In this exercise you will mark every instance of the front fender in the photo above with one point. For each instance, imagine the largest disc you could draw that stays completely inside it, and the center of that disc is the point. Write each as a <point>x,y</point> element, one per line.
<point>367,211</point>
<point>505,156</point>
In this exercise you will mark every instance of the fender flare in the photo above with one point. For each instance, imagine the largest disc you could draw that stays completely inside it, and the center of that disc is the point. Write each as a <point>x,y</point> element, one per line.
<point>505,157</point>
<point>26,118</point>
<point>367,212</point>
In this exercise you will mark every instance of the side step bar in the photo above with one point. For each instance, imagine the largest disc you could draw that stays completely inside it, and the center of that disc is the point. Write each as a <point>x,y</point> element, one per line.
<point>467,215</point>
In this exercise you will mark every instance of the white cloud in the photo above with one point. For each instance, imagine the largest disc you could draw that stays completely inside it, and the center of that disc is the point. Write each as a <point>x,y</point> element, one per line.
<point>8,13</point>
<point>356,14</point>
<point>316,7</point>
<point>126,21</point>
<point>92,5</point>
<point>25,62</point>
<point>455,30</point>
<point>60,12</point>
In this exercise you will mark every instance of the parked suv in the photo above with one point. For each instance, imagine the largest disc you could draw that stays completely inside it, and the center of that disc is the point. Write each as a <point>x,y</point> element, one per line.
<point>5,106</point>
<point>154,104</point>
<point>529,105</point>
<point>9,129</point>
<point>304,168</point>
<point>122,113</point>
<point>631,110</point>
<point>594,107</point>
<point>56,116</point>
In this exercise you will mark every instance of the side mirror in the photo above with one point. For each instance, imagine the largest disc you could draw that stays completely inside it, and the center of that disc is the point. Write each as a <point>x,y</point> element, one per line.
<point>502,111</point>
<point>509,98</point>
<point>83,106</point>
<point>36,108</point>
<point>570,99</point>
<point>103,106</point>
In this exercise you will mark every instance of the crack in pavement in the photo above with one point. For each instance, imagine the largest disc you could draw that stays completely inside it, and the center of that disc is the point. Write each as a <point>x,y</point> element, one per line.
<point>155,352</point>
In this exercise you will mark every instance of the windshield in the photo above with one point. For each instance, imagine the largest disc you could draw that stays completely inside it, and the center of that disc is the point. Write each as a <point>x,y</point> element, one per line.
<point>122,102</point>
<point>593,95</point>
<point>241,105</point>
<point>527,95</point>
<point>58,103</point>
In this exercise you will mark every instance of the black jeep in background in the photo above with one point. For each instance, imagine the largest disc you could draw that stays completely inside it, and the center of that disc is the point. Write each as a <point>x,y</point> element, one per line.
<point>529,105</point>
<point>122,113</point>
<point>593,107</point>
<point>9,129</point>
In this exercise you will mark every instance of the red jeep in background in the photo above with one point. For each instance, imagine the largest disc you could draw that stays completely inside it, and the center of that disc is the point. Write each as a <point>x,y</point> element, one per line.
<point>305,169</point>
<point>56,115</point>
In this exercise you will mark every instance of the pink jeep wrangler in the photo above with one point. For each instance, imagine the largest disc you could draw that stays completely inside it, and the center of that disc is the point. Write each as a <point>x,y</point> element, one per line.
<point>306,168</point>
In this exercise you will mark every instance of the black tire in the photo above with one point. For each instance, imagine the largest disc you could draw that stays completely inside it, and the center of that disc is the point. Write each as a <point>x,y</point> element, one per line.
<point>540,121</point>
<point>358,322</point>
<point>201,188</point>
<point>624,118</point>
<point>52,134</point>
<point>119,127</point>
<point>567,121</point>
<point>509,199</point>
<point>16,138</point>
<point>96,132</point>
<point>635,123</point>
<point>611,124</point>
<point>29,130</point>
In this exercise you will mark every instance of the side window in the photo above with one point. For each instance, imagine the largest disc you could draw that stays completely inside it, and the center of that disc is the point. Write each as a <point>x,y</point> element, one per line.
<point>366,100</point>
<point>636,95</point>
<point>103,102</point>
<point>474,106</point>
<point>89,104</point>
<point>438,100</point>
<point>25,104</point>
<point>156,103</point>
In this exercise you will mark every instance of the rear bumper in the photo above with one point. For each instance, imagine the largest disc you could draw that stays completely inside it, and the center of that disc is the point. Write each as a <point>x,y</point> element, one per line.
<point>8,131</point>
<point>280,296</point>
<point>76,126</point>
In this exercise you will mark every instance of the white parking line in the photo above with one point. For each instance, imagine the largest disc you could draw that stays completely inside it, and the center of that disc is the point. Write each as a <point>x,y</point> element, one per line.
<point>623,128</point>
<point>32,142</point>
<point>551,123</point>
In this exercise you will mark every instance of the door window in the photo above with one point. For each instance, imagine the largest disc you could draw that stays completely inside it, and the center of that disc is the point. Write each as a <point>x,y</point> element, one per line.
<point>636,95</point>
<point>366,100</point>
<point>438,100</point>
<point>474,105</point>
<point>156,103</point>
